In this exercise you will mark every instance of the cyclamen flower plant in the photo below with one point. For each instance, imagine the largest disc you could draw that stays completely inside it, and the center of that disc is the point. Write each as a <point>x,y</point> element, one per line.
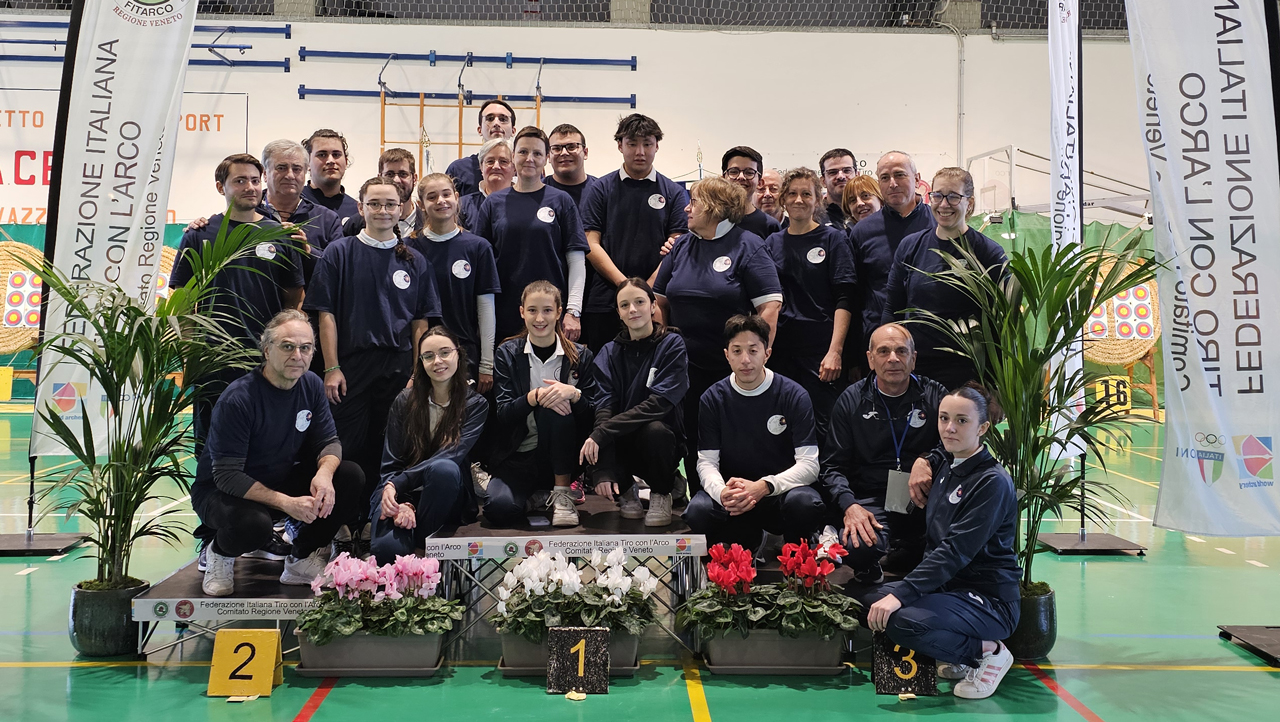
<point>390,600</point>
<point>803,603</point>
<point>546,590</point>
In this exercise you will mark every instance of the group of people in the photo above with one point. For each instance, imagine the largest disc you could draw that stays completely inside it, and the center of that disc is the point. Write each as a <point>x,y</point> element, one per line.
<point>494,340</point>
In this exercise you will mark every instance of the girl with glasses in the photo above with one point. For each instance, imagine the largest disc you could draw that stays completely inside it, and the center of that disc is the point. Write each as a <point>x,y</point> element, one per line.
<point>431,429</point>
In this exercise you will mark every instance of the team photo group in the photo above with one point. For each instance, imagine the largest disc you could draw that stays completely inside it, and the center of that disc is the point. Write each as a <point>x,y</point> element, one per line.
<point>499,341</point>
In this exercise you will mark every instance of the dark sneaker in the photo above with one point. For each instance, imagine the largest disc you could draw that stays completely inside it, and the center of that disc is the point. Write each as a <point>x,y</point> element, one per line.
<point>276,549</point>
<point>202,561</point>
<point>871,575</point>
<point>343,543</point>
<point>577,493</point>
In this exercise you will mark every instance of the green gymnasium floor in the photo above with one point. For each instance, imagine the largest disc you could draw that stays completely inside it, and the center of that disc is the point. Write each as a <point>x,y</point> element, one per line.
<point>1137,641</point>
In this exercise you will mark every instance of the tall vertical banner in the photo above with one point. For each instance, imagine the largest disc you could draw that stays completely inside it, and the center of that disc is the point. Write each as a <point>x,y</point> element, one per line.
<point>1065,183</point>
<point>1204,82</point>
<point>130,61</point>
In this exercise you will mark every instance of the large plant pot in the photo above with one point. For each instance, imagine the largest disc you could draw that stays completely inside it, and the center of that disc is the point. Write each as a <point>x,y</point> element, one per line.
<point>369,655</point>
<point>765,651</point>
<point>1037,629</point>
<point>101,622</point>
<point>520,657</point>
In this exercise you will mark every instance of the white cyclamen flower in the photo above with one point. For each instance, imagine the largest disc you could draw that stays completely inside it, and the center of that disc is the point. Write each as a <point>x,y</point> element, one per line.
<point>616,558</point>
<point>504,594</point>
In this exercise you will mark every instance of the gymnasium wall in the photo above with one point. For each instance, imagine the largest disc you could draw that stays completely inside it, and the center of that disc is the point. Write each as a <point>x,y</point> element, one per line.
<point>791,95</point>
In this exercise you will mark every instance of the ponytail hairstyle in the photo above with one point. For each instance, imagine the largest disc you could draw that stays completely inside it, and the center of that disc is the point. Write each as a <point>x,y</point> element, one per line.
<point>659,328</point>
<point>984,401</point>
<point>422,189</point>
<point>549,288</point>
<point>423,444</point>
<point>402,250</point>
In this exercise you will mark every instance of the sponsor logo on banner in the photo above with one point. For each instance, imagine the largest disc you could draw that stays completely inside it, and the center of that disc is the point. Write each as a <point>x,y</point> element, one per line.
<point>160,609</point>
<point>681,544</point>
<point>184,609</point>
<point>533,546</point>
<point>1254,457</point>
<point>475,548</point>
<point>67,396</point>
<point>511,549</point>
<point>149,13</point>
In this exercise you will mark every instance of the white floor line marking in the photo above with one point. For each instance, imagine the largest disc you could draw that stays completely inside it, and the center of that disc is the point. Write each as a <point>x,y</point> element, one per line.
<point>26,571</point>
<point>166,507</point>
<point>1138,517</point>
<point>1195,539</point>
<point>54,559</point>
<point>1256,563</point>
<point>1225,551</point>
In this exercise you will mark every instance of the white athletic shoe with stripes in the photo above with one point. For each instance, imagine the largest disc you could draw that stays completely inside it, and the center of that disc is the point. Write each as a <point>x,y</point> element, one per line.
<point>981,681</point>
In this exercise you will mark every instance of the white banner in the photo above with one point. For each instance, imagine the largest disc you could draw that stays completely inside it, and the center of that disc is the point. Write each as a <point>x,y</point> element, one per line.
<point>1064,137</point>
<point>130,65</point>
<point>1208,123</point>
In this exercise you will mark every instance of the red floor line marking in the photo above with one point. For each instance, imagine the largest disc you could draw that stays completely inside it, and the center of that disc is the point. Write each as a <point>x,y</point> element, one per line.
<point>316,699</point>
<point>1066,696</point>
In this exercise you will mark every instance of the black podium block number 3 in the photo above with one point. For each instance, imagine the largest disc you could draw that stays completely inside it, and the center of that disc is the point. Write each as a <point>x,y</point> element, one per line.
<point>578,660</point>
<point>896,670</point>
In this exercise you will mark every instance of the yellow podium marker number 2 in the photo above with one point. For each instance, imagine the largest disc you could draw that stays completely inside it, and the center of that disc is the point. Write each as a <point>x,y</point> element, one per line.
<point>246,662</point>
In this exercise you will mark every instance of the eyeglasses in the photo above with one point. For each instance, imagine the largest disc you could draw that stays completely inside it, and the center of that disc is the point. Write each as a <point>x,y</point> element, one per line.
<point>884,351</point>
<point>950,198</point>
<point>377,206</point>
<point>837,172</point>
<point>566,148</point>
<point>443,354</point>
<point>748,173</point>
<point>289,348</point>
<point>393,174</point>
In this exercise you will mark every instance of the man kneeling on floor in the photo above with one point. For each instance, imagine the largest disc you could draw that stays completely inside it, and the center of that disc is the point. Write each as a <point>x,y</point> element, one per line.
<point>272,450</point>
<point>757,449</point>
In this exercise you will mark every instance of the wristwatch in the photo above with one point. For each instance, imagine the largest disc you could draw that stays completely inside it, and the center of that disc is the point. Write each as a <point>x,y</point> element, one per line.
<point>769,484</point>
<point>575,314</point>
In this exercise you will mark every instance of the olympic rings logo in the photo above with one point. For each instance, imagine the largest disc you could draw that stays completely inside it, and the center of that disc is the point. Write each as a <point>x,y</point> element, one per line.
<point>1210,439</point>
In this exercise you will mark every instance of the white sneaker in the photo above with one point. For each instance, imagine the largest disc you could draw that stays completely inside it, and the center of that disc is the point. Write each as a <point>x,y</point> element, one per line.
<point>301,572</point>
<point>480,481</point>
<point>565,511</point>
<point>659,510</point>
<point>981,682</point>
<point>948,670</point>
<point>219,574</point>
<point>629,504</point>
<point>827,539</point>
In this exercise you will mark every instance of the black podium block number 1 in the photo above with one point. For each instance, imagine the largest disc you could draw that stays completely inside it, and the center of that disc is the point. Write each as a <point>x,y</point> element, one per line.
<point>578,660</point>
<point>896,670</point>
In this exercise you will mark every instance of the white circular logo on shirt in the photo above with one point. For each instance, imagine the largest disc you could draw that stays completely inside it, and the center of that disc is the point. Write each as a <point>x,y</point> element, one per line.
<point>461,269</point>
<point>817,254</point>
<point>303,421</point>
<point>722,264</point>
<point>917,419</point>
<point>657,201</point>
<point>777,424</point>
<point>266,251</point>
<point>954,498</point>
<point>401,279</point>
<point>546,214</point>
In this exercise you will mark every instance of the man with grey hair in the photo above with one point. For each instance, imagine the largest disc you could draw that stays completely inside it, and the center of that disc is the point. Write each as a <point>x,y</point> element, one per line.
<point>285,162</point>
<point>875,238</point>
<point>273,451</point>
<point>883,431</point>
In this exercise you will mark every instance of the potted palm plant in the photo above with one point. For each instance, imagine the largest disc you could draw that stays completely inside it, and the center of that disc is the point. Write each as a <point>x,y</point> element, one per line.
<point>545,591</point>
<point>370,620</point>
<point>797,627</point>
<point>1031,320</point>
<point>131,354</point>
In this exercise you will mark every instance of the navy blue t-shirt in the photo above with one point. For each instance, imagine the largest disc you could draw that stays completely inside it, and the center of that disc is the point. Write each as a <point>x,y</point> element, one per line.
<point>708,281</point>
<point>875,240</point>
<point>373,295</point>
<point>760,223</point>
<point>634,219</point>
<point>270,428</point>
<point>465,173</point>
<point>464,268</point>
<point>755,435</point>
<point>319,223</point>
<point>342,204</point>
<point>811,266</point>
<point>532,235</point>
<point>909,285</point>
<point>249,291</point>
<point>469,209</point>
<point>575,191</point>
